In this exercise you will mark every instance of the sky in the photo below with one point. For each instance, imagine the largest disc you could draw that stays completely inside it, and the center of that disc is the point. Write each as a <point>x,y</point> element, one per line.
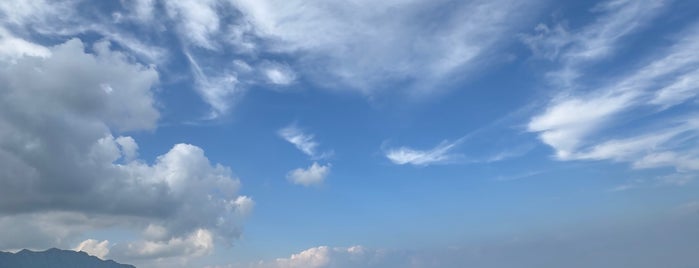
<point>398,133</point>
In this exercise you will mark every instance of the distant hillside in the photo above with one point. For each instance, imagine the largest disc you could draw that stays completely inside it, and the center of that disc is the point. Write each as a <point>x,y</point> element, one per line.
<point>55,258</point>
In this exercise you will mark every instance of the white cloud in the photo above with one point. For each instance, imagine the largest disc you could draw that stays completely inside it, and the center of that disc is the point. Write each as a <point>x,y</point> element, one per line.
<point>312,258</point>
<point>12,47</point>
<point>567,122</point>
<point>304,142</point>
<point>144,10</point>
<point>198,20</point>
<point>196,244</point>
<point>632,245</point>
<point>220,91</point>
<point>324,256</point>
<point>21,13</point>
<point>571,123</point>
<point>363,45</point>
<point>437,155</point>
<point>58,154</point>
<point>615,20</point>
<point>677,179</point>
<point>128,147</point>
<point>279,74</point>
<point>94,247</point>
<point>684,88</point>
<point>360,46</point>
<point>584,126</point>
<point>313,175</point>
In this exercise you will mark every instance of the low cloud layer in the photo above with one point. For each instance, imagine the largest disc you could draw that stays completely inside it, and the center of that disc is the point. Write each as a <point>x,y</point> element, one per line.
<point>670,241</point>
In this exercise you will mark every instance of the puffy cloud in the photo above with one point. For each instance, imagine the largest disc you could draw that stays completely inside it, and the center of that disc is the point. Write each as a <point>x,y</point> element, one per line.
<point>312,257</point>
<point>313,175</point>
<point>12,47</point>
<point>324,256</point>
<point>199,243</point>
<point>94,247</point>
<point>57,153</point>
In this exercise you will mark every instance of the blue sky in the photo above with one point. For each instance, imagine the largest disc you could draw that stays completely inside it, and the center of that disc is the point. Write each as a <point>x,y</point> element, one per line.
<point>238,133</point>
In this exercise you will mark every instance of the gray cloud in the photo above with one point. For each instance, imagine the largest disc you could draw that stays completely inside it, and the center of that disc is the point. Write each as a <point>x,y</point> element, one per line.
<point>63,173</point>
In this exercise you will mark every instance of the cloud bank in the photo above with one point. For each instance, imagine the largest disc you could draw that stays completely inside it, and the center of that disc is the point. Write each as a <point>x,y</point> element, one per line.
<point>64,173</point>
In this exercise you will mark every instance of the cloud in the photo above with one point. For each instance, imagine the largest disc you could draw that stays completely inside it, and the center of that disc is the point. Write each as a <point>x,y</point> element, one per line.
<point>304,142</point>
<point>323,256</point>
<point>572,124</point>
<point>219,90</point>
<point>652,100</point>
<point>313,175</point>
<point>363,45</point>
<point>196,244</point>
<point>198,21</point>
<point>642,244</point>
<point>63,173</point>
<point>143,10</point>
<point>614,21</point>
<point>566,123</point>
<point>12,47</point>
<point>438,155</point>
<point>94,247</point>
<point>279,74</point>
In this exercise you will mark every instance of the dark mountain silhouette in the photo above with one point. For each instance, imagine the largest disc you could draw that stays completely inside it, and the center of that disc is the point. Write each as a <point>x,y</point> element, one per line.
<point>55,258</point>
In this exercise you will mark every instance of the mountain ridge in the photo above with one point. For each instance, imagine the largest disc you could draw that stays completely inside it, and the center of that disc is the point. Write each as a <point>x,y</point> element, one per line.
<point>55,258</point>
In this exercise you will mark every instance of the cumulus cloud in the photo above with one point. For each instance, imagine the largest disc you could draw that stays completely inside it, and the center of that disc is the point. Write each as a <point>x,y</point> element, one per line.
<point>58,153</point>
<point>313,175</point>
<point>198,243</point>
<point>94,247</point>
<point>12,47</point>
<point>324,256</point>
